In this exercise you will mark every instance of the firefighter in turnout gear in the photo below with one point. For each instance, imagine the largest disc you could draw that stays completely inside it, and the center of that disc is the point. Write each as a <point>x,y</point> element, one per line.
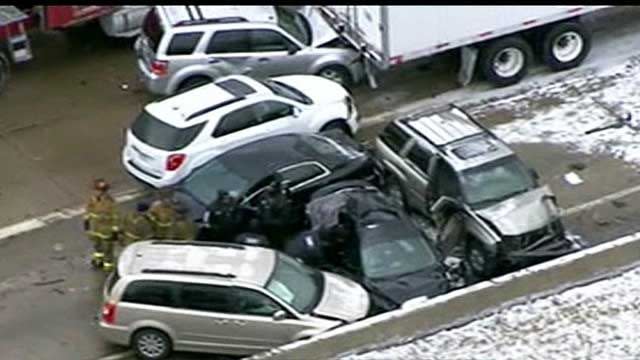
<point>100,222</point>
<point>136,226</point>
<point>183,228</point>
<point>162,215</point>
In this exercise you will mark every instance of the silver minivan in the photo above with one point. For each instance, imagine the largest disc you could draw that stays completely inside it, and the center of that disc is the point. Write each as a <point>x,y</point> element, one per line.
<point>220,298</point>
<point>183,46</point>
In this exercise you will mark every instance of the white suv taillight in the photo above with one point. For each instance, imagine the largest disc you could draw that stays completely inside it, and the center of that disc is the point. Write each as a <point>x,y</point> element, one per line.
<point>174,161</point>
<point>109,313</point>
<point>159,67</point>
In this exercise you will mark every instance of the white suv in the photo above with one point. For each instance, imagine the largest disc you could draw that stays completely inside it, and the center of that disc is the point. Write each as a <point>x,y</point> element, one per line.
<point>174,135</point>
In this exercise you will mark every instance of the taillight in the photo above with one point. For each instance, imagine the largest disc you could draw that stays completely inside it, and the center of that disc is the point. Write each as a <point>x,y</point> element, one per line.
<point>174,161</point>
<point>109,313</point>
<point>159,67</point>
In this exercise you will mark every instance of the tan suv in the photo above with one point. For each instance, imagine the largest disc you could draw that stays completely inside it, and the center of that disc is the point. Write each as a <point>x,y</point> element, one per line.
<point>220,298</point>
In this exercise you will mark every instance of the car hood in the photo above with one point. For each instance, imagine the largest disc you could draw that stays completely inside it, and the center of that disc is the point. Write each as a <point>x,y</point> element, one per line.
<point>321,31</point>
<point>342,299</point>
<point>428,283</point>
<point>523,213</point>
<point>320,90</point>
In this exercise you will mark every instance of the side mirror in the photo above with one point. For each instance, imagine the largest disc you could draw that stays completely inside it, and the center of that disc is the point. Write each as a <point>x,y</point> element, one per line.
<point>246,70</point>
<point>443,203</point>
<point>534,174</point>
<point>296,112</point>
<point>279,315</point>
<point>291,49</point>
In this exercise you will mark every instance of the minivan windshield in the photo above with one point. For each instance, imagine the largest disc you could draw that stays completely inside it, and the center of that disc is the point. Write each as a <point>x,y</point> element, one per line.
<point>495,181</point>
<point>295,24</point>
<point>296,284</point>
<point>154,132</point>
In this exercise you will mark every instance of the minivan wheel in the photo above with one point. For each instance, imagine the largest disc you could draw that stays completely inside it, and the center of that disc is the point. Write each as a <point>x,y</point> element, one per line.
<point>151,344</point>
<point>192,82</point>
<point>337,73</point>
<point>480,261</point>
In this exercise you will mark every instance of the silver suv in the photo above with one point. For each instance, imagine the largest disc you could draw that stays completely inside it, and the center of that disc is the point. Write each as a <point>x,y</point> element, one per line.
<point>475,189</point>
<point>182,46</point>
<point>220,298</point>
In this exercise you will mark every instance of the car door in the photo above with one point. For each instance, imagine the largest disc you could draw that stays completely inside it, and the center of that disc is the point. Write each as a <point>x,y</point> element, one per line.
<point>207,318</point>
<point>416,170</point>
<point>276,53</point>
<point>260,330</point>
<point>232,46</point>
<point>183,50</point>
<point>276,117</point>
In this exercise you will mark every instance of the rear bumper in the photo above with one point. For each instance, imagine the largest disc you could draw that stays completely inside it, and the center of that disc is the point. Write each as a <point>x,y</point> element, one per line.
<point>114,334</point>
<point>152,180</point>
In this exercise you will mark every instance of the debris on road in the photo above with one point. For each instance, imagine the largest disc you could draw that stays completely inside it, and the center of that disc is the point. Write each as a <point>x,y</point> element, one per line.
<point>48,282</point>
<point>572,178</point>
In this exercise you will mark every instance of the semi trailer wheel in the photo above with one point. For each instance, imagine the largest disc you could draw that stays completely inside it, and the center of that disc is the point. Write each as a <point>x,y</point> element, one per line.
<point>505,61</point>
<point>566,45</point>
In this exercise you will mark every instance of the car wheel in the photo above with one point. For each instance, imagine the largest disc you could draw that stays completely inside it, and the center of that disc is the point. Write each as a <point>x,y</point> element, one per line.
<point>192,82</point>
<point>4,71</point>
<point>337,125</point>
<point>505,61</point>
<point>337,73</point>
<point>480,261</point>
<point>566,45</point>
<point>151,344</point>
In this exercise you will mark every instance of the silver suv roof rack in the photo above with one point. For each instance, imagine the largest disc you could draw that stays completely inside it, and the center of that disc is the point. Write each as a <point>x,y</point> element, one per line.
<point>199,243</point>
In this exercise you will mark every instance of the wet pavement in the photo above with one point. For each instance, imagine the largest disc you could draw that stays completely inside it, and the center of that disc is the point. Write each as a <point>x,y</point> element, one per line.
<point>61,122</point>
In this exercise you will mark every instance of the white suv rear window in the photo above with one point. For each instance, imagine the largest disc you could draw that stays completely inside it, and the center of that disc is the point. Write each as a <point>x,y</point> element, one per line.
<point>161,135</point>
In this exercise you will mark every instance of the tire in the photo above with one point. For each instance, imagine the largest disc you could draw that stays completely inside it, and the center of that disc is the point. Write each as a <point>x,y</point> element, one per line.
<point>337,125</point>
<point>151,344</point>
<point>337,73</point>
<point>566,45</point>
<point>480,262</point>
<point>193,82</point>
<point>506,61</point>
<point>5,67</point>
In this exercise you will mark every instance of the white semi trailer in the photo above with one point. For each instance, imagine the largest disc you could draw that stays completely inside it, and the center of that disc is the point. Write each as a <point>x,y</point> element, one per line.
<point>501,40</point>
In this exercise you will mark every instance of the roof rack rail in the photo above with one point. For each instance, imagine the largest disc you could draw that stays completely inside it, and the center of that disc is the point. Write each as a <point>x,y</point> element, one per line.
<point>214,107</point>
<point>186,272</point>
<point>222,20</point>
<point>199,243</point>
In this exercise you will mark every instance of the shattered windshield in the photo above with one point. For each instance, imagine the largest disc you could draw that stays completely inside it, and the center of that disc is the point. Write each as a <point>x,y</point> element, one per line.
<point>495,182</point>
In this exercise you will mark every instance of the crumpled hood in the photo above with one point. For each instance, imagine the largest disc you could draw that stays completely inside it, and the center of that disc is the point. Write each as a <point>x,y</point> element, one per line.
<point>424,283</point>
<point>321,31</point>
<point>523,213</point>
<point>342,299</point>
<point>320,90</point>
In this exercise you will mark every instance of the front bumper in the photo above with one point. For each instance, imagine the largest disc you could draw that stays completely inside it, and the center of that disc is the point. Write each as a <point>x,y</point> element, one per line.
<point>528,249</point>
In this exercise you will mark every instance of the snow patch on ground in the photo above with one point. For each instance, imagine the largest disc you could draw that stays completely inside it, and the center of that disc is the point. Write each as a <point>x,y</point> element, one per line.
<point>597,321</point>
<point>566,123</point>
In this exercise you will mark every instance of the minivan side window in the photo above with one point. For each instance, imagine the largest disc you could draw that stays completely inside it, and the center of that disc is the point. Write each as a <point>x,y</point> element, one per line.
<point>394,137</point>
<point>251,302</point>
<point>237,120</point>
<point>183,44</point>
<point>268,40</point>
<point>151,292</point>
<point>419,157</point>
<point>207,298</point>
<point>229,41</point>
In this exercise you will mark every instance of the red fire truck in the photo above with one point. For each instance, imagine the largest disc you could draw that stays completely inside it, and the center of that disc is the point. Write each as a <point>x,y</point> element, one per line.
<point>17,21</point>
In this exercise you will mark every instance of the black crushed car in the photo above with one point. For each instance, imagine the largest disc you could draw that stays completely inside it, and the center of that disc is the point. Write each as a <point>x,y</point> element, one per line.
<point>263,187</point>
<point>358,232</point>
